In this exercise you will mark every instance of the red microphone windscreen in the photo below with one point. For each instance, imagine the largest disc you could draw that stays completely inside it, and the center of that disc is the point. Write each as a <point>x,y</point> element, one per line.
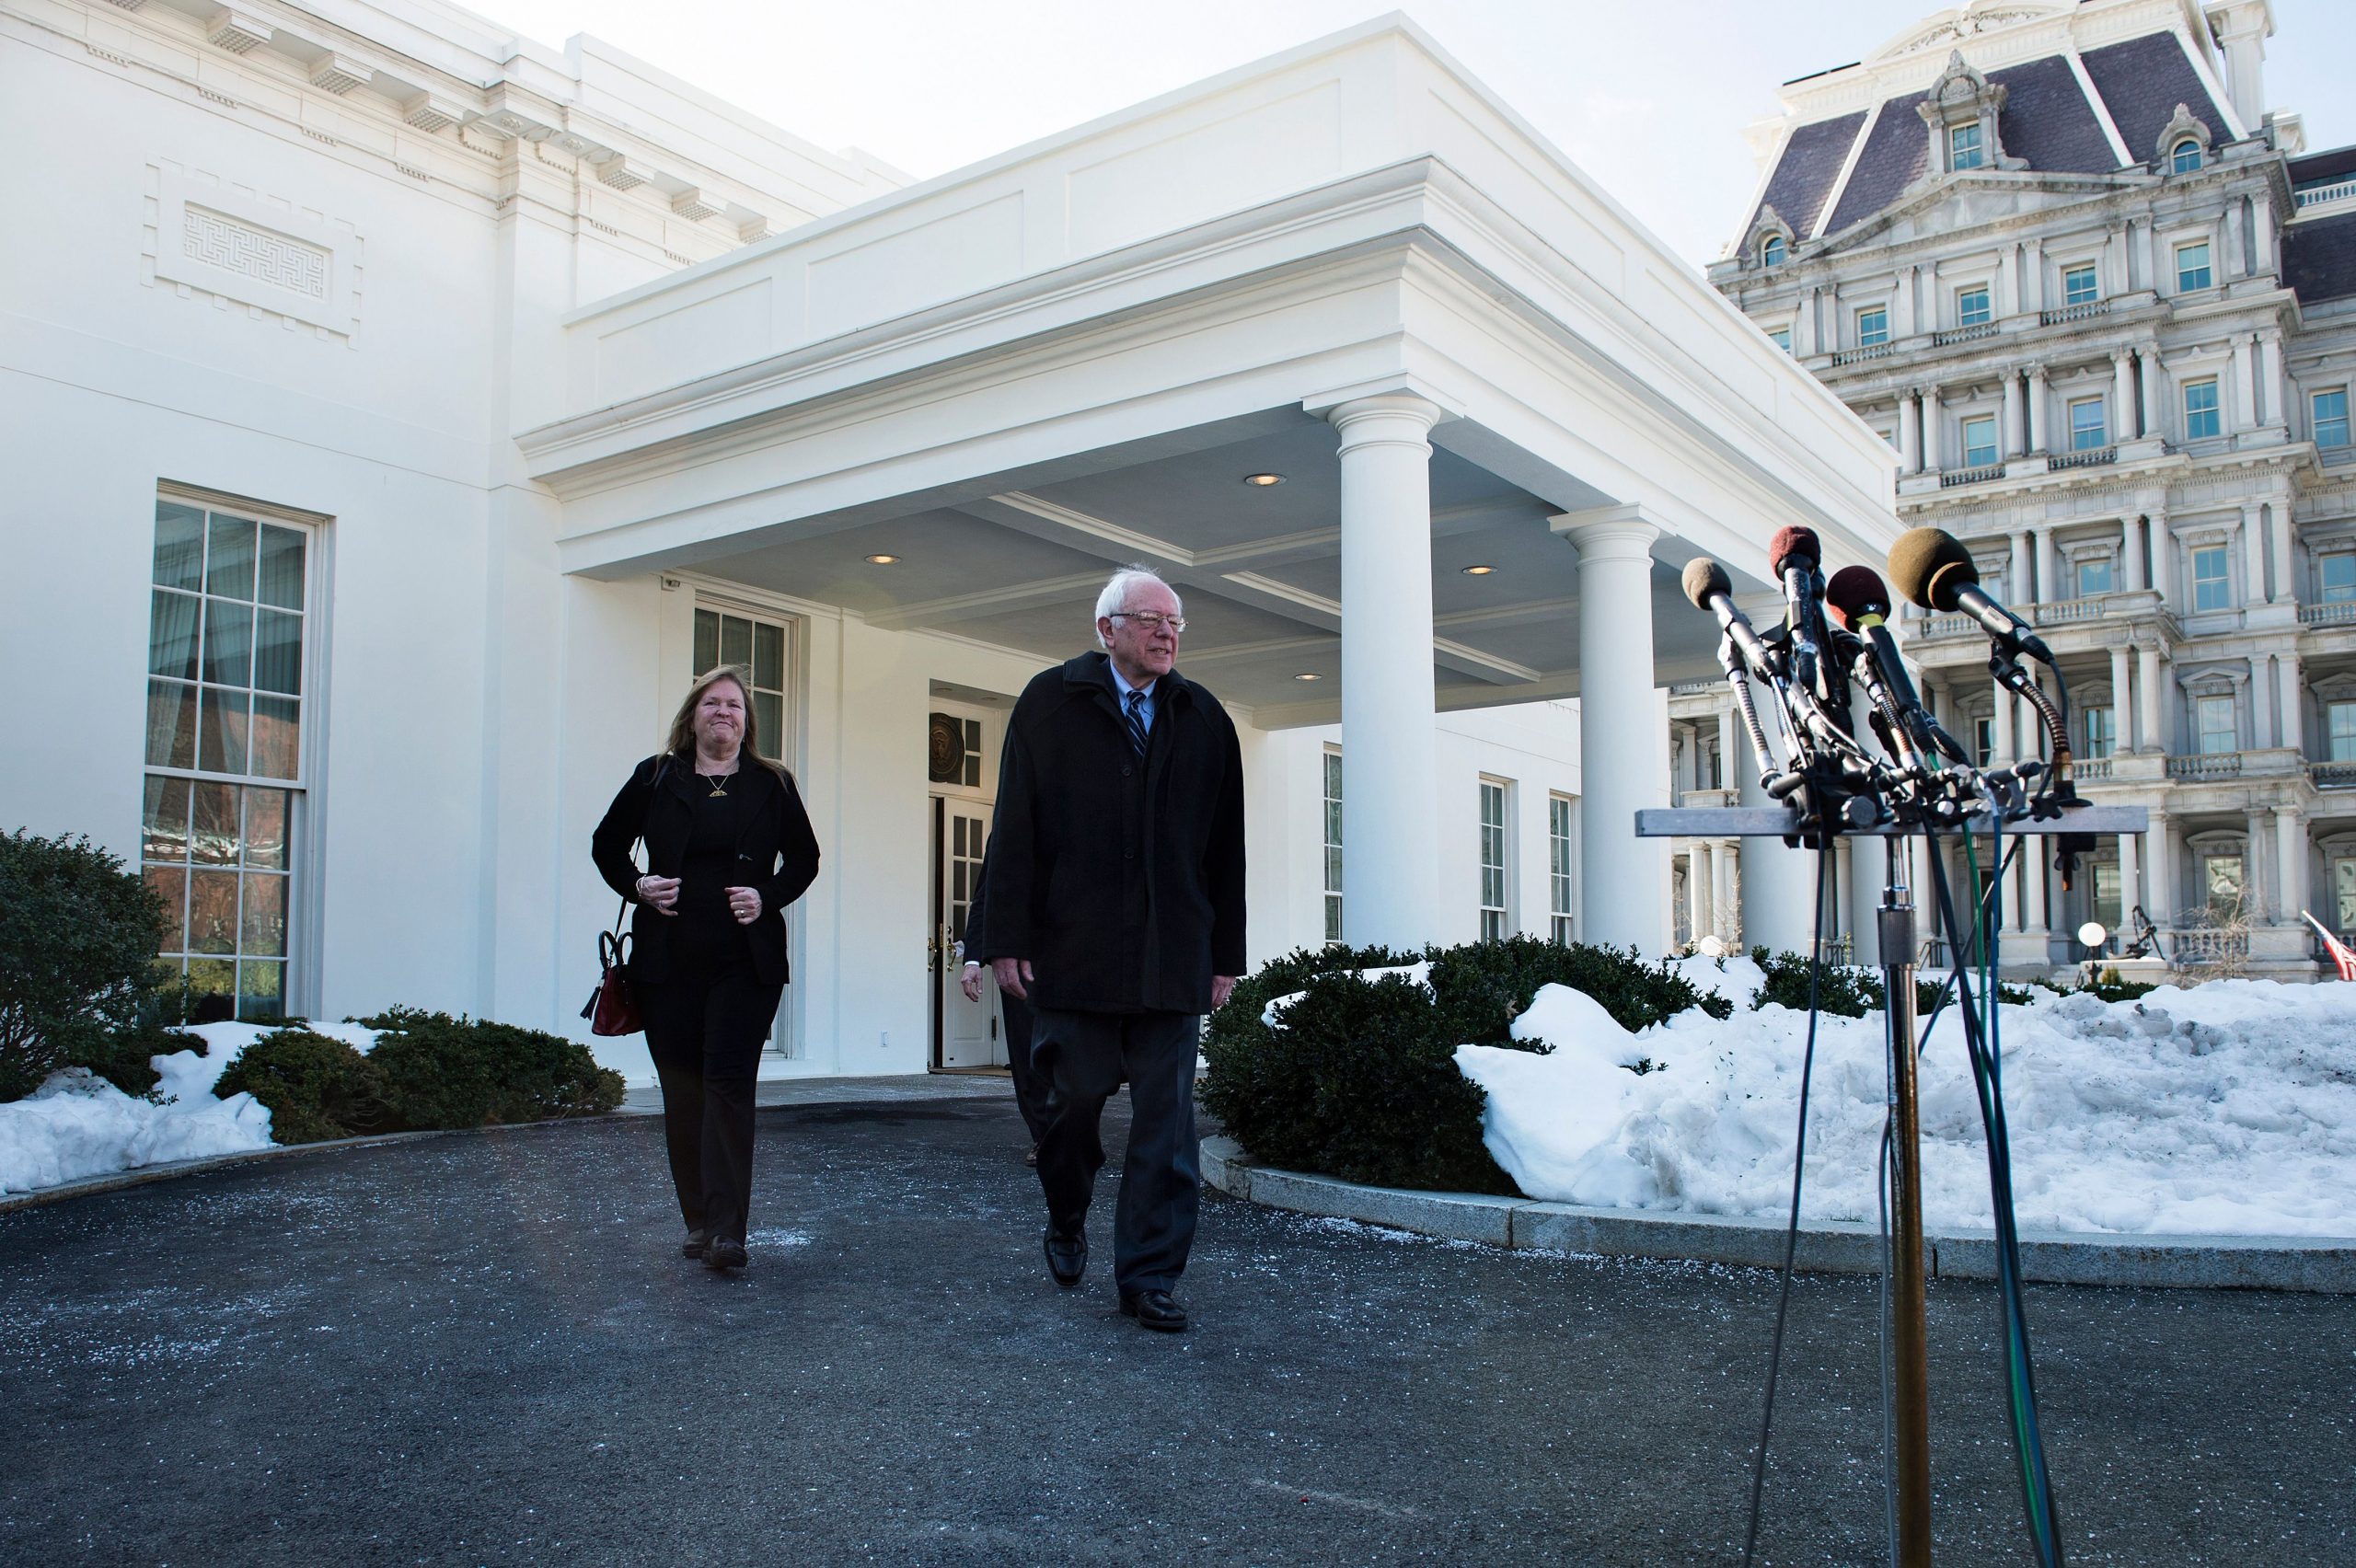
<point>1928,565</point>
<point>1855,592</point>
<point>1791,546</point>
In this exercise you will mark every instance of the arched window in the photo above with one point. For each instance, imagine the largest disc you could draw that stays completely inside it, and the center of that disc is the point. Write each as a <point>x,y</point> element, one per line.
<point>1771,251</point>
<point>2185,156</point>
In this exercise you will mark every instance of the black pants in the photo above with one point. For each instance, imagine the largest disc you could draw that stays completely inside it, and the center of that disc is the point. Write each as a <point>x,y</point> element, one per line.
<point>1030,1084</point>
<point>1085,1056</point>
<point>704,1027</point>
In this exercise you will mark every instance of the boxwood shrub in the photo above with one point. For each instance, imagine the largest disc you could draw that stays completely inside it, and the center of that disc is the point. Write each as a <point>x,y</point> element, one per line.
<point>317,1087</point>
<point>78,934</point>
<point>440,1071</point>
<point>1361,1080</point>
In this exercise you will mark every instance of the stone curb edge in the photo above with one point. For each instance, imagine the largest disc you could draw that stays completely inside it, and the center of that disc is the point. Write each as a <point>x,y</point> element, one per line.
<point>166,1171</point>
<point>2265,1263</point>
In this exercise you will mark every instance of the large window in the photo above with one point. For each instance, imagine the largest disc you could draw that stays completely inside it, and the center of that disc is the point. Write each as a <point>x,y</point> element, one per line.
<point>1979,441</point>
<point>1963,147</point>
<point>2340,732</point>
<point>2106,897</point>
<point>2080,285</point>
<point>2215,732</point>
<point>1333,845</point>
<point>1983,741</point>
<point>2327,416</point>
<point>2192,266</point>
<point>1781,336</point>
<point>2212,586</point>
<point>1971,307</point>
<point>2102,731</point>
<point>724,636</point>
<point>2336,577</point>
<point>2221,879</point>
<point>1558,863</point>
<point>1496,919</point>
<point>2093,576</point>
<point>2201,415</point>
<point>1873,327</point>
<point>224,753</point>
<point>2088,429</point>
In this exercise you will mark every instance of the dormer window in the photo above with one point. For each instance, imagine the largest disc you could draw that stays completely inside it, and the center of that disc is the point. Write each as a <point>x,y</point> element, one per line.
<point>1963,148</point>
<point>1961,113</point>
<point>2185,156</point>
<point>1772,250</point>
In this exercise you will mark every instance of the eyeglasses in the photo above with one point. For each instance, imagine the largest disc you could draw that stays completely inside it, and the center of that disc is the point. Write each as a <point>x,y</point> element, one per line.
<point>1152,621</point>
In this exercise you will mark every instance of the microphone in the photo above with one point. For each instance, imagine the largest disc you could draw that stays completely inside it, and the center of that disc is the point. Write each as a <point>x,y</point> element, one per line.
<point>1792,555</point>
<point>1709,588</point>
<point>1932,568</point>
<point>1859,604</point>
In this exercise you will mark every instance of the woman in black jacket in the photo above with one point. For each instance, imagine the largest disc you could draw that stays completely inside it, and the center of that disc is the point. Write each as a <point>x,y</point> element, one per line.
<point>728,846</point>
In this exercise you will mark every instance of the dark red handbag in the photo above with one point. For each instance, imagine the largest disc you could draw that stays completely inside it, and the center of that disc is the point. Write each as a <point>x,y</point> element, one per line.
<point>612,1009</point>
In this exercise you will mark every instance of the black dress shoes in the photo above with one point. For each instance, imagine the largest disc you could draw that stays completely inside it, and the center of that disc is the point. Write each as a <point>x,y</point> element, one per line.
<point>693,1247</point>
<point>1067,1256</point>
<point>1155,1310</point>
<point>724,1253</point>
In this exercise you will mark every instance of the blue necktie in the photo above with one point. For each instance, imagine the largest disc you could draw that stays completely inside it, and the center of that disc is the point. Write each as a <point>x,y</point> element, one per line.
<point>1136,719</point>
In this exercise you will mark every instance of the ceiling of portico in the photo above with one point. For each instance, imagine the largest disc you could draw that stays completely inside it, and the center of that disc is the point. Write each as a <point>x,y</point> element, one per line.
<point>1017,563</point>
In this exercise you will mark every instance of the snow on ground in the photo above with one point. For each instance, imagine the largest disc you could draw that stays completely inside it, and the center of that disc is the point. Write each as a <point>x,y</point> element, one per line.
<point>2227,1109</point>
<point>76,1125</point>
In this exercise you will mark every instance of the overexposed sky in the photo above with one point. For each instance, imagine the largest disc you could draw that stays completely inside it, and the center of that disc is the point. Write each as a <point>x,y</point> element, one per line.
<point>1650,97</point>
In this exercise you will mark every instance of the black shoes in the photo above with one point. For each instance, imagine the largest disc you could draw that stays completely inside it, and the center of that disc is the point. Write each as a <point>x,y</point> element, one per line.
<point>1067,1256</point>
<point>1155,1310</point>
<point>693,1247</point>
<point>724,1253</point>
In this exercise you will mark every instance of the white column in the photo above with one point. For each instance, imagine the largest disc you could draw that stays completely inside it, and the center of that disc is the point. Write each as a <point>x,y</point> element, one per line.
<point>2233,257</point>
<point>1620,762</point>
<point>2256,903</point>
<point>2278,540</point>
<point>2130,879</point>
<point>2163,555</point>
<point>2261,702</point>
<point>2016,586</point>
<point>2122,397</point>
<point>2291,864</point>
<point>1909,425</point>
<point>2034,296</point>
<point>2253,555</point>
<point>2147,688</point>
<point>2271,402</point>
<point>1701,882</point>
<point>2048,569</point>
<point>2130,550</point>
<point>2151,365</point>
<point>2294,717</point>
<point>2159,882</point>
<point>2122,714</point>
<point>1390,795</point>
<point>1725,917</point>
<point>2245,380</point>
<point>2037,400</point>
<point>1931,415</point>
<point>2013,428</point>
<point>2004,750</point>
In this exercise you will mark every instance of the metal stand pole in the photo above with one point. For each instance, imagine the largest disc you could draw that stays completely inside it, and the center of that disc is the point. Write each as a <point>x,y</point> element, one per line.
<point>1910,1339</point>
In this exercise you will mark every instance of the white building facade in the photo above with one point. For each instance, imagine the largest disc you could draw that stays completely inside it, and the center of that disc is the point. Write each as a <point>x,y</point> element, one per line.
<point>399,415</point>
<point>2101,302</point>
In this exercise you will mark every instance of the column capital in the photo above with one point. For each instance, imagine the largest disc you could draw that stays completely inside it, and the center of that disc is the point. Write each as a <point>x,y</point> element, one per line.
<point>2036,370</point>
<point>2286,811</point>
<point>1607,533</point>
<point>1404,396</point>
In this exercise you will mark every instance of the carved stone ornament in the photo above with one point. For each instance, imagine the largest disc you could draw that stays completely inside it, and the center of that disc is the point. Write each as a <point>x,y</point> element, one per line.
<point>1970,21</point>
<point>1961,96</point>
<point>2182,125</point>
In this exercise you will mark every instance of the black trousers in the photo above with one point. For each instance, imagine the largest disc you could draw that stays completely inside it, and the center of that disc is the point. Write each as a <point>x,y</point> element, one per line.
<point>1030,1084</point>
<point>704,1027</point>
<point>1085,1056</point>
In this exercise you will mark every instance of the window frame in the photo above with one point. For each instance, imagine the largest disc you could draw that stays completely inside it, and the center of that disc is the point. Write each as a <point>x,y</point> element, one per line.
<point>2213,413</point>
<point>1967,314</point>
<point>1994,454</point>
<point>1959,149</point>
<point>2100,560</point>
<point>1561,912</point>
<point>1781,336</point>
<point>1880,330</point>
<point>2176,161</point>
<point>1331,785</point>
<point>2339,728</point>
<point>2208,704</point>
<point>2207,271</point>
<point>2327,590</point>
<point>1775,250</point>
<point>2101,432</point>
<point>1496,922</point>
<point>2317,420</point>
<point>2223,578</point>
<point>2104,742</point>
<point>2089,271</point>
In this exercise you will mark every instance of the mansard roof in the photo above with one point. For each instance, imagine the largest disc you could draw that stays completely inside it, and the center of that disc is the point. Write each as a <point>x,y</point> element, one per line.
<point>2319,257</point>
<point>2047,120</point>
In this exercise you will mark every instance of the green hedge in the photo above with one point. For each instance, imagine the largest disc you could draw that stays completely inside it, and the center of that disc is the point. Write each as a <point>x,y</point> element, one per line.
<point>78,935</point>
<point>317,1087</point>
<point>1362,1082</point>
<point>440,1071</point>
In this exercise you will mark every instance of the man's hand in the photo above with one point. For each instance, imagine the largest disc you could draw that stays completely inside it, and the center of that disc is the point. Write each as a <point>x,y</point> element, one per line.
<point>1013,974</point>
<point>1222,987</point>
<point>971,982</point>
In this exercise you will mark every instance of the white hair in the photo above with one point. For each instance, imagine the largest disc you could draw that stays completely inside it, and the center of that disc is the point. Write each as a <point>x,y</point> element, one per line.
<point>1114,598</point>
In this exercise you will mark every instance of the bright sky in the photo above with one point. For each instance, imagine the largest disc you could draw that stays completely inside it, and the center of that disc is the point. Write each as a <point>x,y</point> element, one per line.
<point>1649,98</point>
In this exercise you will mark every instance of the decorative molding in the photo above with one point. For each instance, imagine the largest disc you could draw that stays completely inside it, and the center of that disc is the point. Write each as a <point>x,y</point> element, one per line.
<point>332,73</point>
<point>616,171</point>
<point>235,32</point>
<point>2184,123</point>
<point>272,257</point>
<point>1966,23</point>
<point>694,207</point>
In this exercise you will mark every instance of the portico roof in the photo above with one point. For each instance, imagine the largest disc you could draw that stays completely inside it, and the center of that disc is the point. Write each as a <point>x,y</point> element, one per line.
<point>1069,357</point>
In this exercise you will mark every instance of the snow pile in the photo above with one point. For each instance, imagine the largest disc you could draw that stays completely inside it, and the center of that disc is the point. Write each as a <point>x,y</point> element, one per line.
<point>76,1125</point>
<point>2228,1109</point>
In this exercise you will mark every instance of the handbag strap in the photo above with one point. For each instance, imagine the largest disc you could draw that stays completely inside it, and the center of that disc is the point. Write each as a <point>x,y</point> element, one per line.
<point>621,913</point>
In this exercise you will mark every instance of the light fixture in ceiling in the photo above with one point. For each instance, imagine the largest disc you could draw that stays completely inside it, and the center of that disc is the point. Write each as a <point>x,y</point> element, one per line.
<point>1478,571</point>
<point>1263,480</point>
<point>1308,675</point>
<point>883,557</point>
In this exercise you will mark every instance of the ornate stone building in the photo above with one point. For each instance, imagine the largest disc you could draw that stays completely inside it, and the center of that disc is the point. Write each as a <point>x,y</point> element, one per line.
<point>2102,304</point>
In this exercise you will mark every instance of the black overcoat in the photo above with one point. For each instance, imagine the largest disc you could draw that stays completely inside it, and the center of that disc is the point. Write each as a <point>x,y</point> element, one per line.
<point>778,853</point>
<point>1119,878</point>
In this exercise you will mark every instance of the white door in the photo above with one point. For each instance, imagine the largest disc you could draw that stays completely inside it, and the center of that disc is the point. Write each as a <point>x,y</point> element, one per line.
<point>964,1034</point>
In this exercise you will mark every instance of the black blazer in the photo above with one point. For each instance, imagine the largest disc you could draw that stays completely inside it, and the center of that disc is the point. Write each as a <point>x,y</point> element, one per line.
<point>777,852</point>
<point>1119,878</point>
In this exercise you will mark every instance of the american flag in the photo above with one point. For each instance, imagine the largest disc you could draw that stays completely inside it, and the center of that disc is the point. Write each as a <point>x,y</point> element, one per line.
<point>2342,959</point>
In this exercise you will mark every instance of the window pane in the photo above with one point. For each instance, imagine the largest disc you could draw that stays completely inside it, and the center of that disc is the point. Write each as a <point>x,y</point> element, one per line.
<point>282,567</point>
<point>2331,418</point>
<point>212,912</point>
<point>278,651</point>
<point>221,735</point>
<point>735,640</point>
<point>229,559</point>
<point>171,724</point>
<point>2078,286</point>
<point>2192,266</point>
<point>1971,307</point>
<point>215,976</point>
<point>707,641</point>
<point>2200,414</point>
<point>229,643</point>
<point>768,656</point>
<point>171,885</point>
<point>2339,576</point>
<point>264,928</point>
<point>277,737</point>
<point>164,823</point>
<point>2225,880</point>
<point>2343,882</point>
<point>2094,577</point>
<point>179,546</point>
<point>212,841</point>
<point>266,828</point>
<point>768,719</point>
<point>2186,158</point>
<point>2341,722</point>
<point>261,990</point>
<point>171,635</point>
<point>2086,425</point>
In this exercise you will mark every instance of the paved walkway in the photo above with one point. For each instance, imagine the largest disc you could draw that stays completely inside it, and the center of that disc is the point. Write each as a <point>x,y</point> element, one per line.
<point>483,1349</point>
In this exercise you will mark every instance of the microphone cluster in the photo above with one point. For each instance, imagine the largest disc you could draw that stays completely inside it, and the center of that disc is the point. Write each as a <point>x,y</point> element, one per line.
<point>1836,633</point>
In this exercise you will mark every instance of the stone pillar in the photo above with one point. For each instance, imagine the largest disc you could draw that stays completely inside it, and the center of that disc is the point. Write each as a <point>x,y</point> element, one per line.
<point>2163,555</point>
<point>1930,419</point>
<point>2049,586</point>
<point>1390,798</point>
<point>2010,423</point>
<point>2291,865</point>
<point>2130,879</point>
<point>1724,915</point>
<point>2159,880</point>
<point>2272,408</point>
<point>1700,886</point>
<point>1910,443</point>
<point>2036,401</point>
<point>2130,550</point>
<point>2150,360</point>
<point>2261,233</point>
<point>2122,397</point>
<point>1902,319</point>
<point>2245,380</point>
<point>2147,688</point>
<point>2232,267</point>
<point>2005,748</point>
<point>2123,716</point>
<point>1804,326</point>
<point>2016,577</point>
<point>2261,702</point>
<point>2278,538</point>
<point>1622,877</point>
<point>2252,555</point>
<point>2294,699</point>
<point>2033,290</point>
<point>2256,903</point>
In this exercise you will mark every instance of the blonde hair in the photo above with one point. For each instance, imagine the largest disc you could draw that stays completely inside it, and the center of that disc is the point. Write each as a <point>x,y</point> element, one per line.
<point>682,743</point>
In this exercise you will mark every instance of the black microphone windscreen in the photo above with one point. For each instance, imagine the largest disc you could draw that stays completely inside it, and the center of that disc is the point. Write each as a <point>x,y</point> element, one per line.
<point>1929,564</point>
<point>1704,577</point>
<point>1791,546</point>
<point>1856,591</point>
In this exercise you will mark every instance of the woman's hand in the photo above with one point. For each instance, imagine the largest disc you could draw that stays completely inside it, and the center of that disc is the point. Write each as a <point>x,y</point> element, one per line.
<point>660,893</point>
<point>744,903</point>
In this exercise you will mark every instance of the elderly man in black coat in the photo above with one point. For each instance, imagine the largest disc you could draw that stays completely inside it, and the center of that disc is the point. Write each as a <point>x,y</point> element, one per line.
<point>1115,895</point>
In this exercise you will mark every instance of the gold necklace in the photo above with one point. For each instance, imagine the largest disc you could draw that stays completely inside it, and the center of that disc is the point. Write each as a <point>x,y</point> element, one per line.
<point>719,790</point>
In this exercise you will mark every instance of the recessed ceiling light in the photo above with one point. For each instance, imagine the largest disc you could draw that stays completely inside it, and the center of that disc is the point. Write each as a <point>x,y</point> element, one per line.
<point>1263,480</point>
<point>1308,675</point>
<point>1478,571</point>
<point>880,559</point>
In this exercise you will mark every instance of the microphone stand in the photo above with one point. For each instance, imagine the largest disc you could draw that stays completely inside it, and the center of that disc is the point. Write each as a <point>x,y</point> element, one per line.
<point>1909,1328</point>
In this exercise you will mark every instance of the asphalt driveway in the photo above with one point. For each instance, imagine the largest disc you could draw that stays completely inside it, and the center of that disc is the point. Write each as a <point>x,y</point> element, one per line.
<point>483,1349</point>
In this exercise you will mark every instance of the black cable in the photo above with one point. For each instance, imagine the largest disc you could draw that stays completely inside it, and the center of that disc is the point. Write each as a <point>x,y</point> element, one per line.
<point>1884,1176</point>
<point>1791,1231</point>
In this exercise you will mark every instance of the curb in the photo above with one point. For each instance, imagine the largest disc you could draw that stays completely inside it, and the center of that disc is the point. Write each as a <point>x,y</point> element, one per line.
<point>166,1171</point>
<point>2048,1257</point>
